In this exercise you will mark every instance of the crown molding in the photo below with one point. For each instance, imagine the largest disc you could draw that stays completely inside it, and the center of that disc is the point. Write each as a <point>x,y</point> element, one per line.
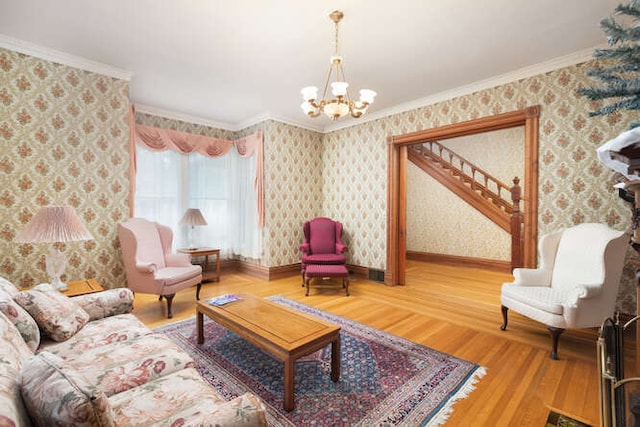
<point>269,116</point>
<point>63,58</point>
<point>110,71</point>
<point>522,73</point>
<point>173,115</point>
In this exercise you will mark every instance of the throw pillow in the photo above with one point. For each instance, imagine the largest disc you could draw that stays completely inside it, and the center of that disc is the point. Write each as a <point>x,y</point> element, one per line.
<point>55,394</point>
<point>7,286</point>
<point>21,319</point>
<point>57,315</point>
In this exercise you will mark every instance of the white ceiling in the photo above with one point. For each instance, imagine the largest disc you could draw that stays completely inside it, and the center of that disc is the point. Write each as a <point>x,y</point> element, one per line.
<point>235,61</point>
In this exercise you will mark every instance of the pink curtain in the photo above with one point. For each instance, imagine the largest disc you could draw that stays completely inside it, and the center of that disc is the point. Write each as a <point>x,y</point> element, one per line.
<point>132,159</point>
<point>246,147</point>
<point>157,139</point>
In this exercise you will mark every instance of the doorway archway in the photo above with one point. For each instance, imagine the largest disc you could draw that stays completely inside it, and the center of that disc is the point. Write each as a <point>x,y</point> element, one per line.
<point>397,181</point>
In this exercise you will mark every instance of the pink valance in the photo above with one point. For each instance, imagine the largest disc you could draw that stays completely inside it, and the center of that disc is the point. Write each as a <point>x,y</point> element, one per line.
<point>157,139</point>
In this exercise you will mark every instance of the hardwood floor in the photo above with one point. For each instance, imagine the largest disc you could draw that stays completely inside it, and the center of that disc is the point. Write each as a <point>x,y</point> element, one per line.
<point>457,311</point>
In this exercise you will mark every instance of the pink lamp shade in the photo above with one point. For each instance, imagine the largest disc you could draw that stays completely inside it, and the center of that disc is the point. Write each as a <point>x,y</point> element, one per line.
<point>193,217</point>
<point>54,224</point>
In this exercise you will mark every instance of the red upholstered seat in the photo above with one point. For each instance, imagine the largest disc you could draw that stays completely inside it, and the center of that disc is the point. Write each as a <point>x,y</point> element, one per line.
<point>324,259</point>
<point>316,270</point>
<point>326,270</point>
<point>322,244</point>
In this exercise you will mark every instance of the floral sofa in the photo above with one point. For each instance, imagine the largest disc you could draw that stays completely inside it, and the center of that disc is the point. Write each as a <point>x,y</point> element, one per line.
<point>88,361</point>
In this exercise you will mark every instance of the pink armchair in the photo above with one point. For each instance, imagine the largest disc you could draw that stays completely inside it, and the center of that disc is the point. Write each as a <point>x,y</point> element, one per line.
<point>322,244</point>
<point>150,266</point>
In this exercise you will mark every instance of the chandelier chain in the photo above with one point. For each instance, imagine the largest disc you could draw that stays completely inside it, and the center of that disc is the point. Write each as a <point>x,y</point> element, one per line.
<point>336,39</point>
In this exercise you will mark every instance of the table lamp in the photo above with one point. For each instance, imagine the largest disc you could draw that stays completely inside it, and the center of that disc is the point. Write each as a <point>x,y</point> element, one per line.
<point>192,217</point>
<point>54,224</point>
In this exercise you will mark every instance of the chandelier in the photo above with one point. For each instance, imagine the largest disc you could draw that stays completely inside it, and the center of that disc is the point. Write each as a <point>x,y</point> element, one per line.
<point>340,105</point>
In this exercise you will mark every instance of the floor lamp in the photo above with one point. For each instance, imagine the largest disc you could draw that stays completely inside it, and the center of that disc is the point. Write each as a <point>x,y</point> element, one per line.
<point>54,224</point>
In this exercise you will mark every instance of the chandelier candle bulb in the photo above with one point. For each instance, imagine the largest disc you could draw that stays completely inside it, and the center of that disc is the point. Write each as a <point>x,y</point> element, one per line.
<point>339,88</point>
<point>307,107</point>
<point>309,93</point>
<point>367,96</point>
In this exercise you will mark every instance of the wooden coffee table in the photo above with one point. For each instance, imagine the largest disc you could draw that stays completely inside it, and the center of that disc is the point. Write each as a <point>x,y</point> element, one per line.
<point>284,333</point>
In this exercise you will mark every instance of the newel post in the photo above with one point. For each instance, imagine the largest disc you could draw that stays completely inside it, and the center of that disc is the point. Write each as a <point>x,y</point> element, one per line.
<point>517,238</point>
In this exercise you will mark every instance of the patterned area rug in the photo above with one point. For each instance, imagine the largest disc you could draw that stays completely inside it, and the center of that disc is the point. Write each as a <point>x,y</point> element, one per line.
<point>385,379</point>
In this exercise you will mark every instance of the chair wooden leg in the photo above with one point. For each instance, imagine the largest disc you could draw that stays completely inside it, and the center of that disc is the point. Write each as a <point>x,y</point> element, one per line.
<point>345,284</point>
<point>302,273</point>
<point>169,299</point>
<point>306,282</point>
<point>198,286</point>
<point>505,310</point>
<point>555,335</point>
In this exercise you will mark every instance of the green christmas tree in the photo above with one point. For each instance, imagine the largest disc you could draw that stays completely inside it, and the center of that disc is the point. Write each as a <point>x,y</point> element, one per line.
<point>619,75</point>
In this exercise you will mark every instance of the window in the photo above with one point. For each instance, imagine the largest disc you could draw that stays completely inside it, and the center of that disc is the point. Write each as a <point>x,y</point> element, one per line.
<point>167,183</point>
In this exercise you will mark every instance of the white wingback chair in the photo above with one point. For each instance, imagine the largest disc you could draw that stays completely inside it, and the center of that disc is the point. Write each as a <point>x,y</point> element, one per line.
<point>150,266</point>
<point>576,284</point>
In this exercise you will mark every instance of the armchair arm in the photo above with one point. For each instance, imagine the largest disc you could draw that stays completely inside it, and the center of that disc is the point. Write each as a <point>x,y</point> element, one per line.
<point>106,303</point>
<point>146,267</point>
<point>177,260</point>
<point>531,277</point>
<point>340,248</point>
<point>583,291</point>
<point>305,248</point>
<point>587,290</point>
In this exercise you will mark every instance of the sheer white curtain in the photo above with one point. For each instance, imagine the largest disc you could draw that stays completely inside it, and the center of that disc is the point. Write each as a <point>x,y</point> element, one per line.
<point>158,186</point>
<point>167,183</point>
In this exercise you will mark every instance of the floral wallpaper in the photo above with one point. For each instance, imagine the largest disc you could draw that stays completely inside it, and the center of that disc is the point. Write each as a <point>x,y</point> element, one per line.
<point>354,167</point>
<point>64,141</point>
<point>182,126</point>
<point>293,181</point>
<point>292,188</point>
<point>343,174</point>
<point>573,186</point>
<point>63,134</point>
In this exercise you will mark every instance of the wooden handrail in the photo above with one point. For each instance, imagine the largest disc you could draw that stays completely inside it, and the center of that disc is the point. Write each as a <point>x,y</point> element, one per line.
<point>490,188</point>
<point>484,192</point>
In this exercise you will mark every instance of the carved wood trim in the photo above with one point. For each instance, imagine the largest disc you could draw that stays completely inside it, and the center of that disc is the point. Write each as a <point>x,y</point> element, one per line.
<point>528,117</point>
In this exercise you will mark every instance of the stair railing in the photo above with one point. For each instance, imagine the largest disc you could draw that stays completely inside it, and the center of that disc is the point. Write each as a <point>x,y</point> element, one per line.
<point>478,182</point>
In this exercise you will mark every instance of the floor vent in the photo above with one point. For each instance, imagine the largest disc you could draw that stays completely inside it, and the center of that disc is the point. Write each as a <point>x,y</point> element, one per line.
<point>376,275</point>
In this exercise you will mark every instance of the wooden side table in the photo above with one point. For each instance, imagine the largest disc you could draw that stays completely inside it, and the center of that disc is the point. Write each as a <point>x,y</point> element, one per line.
<point>205,252</point>
<point>82,287</point>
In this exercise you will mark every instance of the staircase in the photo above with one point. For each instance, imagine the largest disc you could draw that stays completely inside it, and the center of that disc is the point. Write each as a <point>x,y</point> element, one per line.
<point>488,195</point>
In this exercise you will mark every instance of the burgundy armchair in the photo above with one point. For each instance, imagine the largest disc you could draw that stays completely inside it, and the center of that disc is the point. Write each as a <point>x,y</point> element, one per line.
<point>322,243</point>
